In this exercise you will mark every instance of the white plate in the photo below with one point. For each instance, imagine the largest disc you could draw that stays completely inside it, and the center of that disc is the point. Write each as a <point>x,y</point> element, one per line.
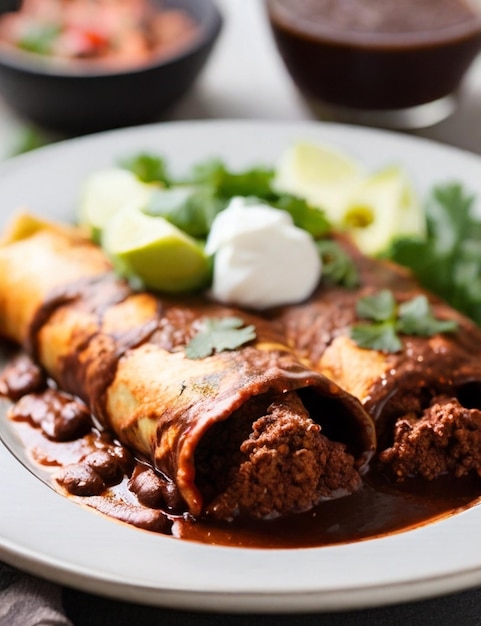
<point>52,537</point>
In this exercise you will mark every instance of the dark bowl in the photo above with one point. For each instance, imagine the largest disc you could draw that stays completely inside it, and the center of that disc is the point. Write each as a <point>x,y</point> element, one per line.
<point>78,99</point>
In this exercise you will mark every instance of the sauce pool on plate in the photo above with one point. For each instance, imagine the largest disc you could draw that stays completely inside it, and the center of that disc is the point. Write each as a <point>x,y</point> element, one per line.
<point>95,470</point>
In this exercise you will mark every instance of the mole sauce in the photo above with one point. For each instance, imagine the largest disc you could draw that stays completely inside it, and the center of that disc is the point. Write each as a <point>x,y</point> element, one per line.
<point>92,468</point>
<point>376,55</point>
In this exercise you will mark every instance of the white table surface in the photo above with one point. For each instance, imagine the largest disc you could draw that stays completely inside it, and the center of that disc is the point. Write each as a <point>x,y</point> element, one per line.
<point>245,78</point>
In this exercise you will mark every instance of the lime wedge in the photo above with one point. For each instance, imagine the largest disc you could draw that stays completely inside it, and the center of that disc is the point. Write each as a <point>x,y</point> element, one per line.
<point>384,206</point>
<point>106,192</point>
<point>152,250</point>
<point>323,176</point>
<point>373,209</point>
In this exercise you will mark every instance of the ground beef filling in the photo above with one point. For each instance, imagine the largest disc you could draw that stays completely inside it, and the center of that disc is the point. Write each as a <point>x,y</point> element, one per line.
<point>278,464</point>
<point>446,438</point>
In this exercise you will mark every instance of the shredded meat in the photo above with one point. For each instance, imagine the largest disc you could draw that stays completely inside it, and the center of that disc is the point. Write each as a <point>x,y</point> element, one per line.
<point>276,465</point>
<point>446,438</point>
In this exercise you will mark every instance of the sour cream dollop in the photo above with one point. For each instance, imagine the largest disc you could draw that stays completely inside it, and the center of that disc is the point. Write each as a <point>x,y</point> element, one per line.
<point>261,258</point>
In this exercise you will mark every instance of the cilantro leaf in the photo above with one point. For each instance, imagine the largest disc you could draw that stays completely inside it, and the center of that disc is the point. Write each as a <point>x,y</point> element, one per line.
<point>219,335</point>
<point>148,168</point>
<point>379,307</point>
<point>416,318</point>
<point>207,172</point>
<point>29,138</point>
<point>252,182</point>
<point>39,38</point>
<point>225,183</point>
<point>196,198</point>
<point>387,320</point>
<point>256,182</point>
<point>338,268</point>
<point>304,215</point>
<point>447,261</point>
<point>192,209</point>
<point>448,217</point>
<point>381,336</point>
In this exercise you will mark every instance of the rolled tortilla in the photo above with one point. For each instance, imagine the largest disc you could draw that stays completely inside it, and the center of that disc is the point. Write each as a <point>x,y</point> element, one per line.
<point>123,353</point>
<point>401,386</point>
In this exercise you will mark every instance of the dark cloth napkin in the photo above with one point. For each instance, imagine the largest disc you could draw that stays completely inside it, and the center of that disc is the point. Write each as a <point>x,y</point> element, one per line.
<point>29,601</point>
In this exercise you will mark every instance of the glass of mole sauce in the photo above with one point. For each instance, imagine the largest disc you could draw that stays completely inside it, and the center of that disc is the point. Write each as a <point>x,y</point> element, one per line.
<point>390,63</point>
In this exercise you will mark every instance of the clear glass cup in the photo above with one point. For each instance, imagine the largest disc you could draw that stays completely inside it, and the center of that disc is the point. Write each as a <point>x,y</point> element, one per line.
<point>389,63</point>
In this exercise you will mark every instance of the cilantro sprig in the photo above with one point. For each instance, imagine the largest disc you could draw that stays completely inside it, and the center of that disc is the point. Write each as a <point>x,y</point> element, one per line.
<point>447,261</point>
<point>338,267</point>
<point>253,181</point>
<point>191,202</point>
<point>149,168</point>
<point>218,335</point>
<point>192,209</point>
<point>40,38</point>
<point>386,320</point>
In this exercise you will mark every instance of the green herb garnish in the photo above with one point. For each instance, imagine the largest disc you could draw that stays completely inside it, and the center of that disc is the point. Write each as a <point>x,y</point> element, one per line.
<point>379,336</point>
<point>255,181</point>
<point>387,319</point>
<point>195,199</point>
<point>28,139</point>
<point>338,268</point>
<point>39,38</point>
<point>219,335</point>
<point>415,317</point>
<point>192,209</point>
<point>447,261</point>
<point>148,168</point>
<point>379,307</point>
<point>192,202</point>
<point>304,215</point>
